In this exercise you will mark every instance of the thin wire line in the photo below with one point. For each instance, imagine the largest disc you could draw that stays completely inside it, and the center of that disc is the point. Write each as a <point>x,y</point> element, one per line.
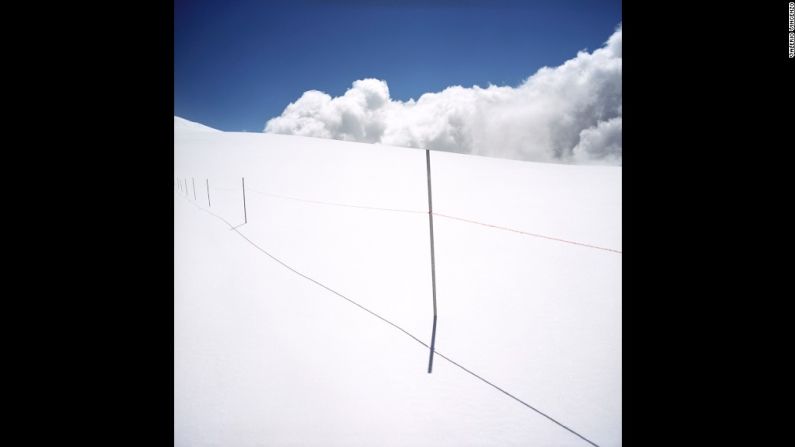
<point>346,205</point>
<point>393,325</point>
<point>527,233</point>
<point>498,227</point>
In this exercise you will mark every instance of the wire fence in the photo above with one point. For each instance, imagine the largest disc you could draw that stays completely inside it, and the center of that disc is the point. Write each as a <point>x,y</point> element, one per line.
<point>410,211</point>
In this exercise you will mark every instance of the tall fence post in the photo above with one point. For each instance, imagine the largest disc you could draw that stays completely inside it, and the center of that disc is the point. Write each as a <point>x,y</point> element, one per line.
<point>193,182</point>
<point>208,193</point>
<point>245,215</point>
<point>433,261</point>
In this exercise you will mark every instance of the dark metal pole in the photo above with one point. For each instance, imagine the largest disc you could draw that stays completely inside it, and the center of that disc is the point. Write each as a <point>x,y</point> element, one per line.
<point>193,182</point>
<point>208,192</point>
<point>245,216</point>
<point>433,261</point>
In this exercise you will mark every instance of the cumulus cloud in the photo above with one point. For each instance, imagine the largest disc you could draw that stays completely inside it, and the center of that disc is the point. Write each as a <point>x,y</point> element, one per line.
<point>570,113</point>
<point>600,143</point>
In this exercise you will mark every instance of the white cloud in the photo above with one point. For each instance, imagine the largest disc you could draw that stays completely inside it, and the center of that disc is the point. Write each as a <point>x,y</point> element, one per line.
<point>600,143</point>
<point>570,113</point>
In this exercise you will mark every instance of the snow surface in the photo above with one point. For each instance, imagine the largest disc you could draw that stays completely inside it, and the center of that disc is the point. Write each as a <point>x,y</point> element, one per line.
<point>263,356</point>
<point>181,125</point>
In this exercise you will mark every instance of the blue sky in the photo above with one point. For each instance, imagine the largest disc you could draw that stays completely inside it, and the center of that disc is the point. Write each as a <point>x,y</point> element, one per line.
<point>239,63</point>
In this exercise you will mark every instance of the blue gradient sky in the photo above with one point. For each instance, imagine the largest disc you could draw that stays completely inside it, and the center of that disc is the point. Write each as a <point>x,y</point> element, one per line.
<point>239,63</point>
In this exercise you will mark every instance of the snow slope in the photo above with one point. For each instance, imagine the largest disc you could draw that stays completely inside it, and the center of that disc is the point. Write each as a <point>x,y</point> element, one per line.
<point>263,356</point>
<point>182,125</point>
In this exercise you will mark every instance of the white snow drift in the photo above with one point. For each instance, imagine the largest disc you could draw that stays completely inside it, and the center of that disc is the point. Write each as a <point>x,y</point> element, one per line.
<point>570,113</point>
<point>263,356</point>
